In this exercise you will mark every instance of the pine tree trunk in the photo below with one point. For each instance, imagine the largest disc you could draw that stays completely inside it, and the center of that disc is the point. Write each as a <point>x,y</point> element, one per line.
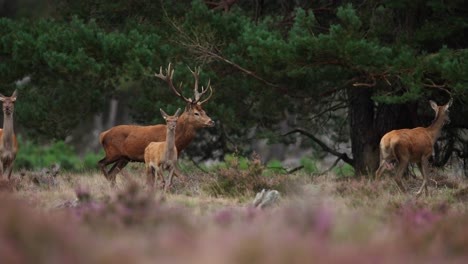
<point>364,139</point>
<point>369,123</point>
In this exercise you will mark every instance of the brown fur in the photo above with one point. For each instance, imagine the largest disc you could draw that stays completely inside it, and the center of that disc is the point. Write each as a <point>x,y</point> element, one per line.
<point>8,143</point>
<point>161,156</point>
<point>127,143</point>
<point>412,145</point>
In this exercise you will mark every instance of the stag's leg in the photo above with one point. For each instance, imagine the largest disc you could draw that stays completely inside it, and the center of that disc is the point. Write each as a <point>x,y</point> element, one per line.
<point>119,165</point>
<point>103,164</point>
<point>423,167</point>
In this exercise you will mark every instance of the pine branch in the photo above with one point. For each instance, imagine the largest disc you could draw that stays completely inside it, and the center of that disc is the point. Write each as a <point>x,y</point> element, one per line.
<point>324,146</point>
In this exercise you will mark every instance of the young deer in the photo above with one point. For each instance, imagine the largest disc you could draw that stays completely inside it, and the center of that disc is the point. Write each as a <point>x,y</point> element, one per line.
<point>127,143</point>
<point>161,156</point>
<point>8,143</point>
<point>412,145</point>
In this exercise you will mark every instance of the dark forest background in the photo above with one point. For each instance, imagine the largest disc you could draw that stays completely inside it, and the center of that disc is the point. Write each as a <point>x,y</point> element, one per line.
<point>351,70</point>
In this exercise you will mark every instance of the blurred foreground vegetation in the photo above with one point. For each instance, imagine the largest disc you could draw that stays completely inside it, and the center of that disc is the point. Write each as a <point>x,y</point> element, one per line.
<point>78,218</point>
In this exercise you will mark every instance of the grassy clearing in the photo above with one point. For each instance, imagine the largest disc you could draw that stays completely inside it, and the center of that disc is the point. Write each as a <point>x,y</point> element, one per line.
<point>320,218</point>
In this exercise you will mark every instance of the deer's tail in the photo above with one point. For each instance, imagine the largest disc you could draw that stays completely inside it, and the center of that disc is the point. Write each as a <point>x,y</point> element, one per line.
<point>101,136</point>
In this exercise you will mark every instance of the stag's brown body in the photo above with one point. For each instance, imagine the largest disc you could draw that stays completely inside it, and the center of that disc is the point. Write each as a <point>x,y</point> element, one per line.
<point>127,143</point>
<point>412,145</point>
<point>8,143</point>
<point>160,156</point>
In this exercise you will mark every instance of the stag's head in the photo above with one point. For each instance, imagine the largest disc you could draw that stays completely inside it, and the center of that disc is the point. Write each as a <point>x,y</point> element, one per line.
<point>442,110</point>
<point>171,121</point>
<point>197,116</point>
<point>194,113</point>
<point>8,103</point>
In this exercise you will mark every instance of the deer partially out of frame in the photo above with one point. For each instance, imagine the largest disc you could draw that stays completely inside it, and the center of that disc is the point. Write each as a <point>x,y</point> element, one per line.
<point>161,156</point>
<point>127,143</point>
<point>412,145</point>
<point>8,143</point>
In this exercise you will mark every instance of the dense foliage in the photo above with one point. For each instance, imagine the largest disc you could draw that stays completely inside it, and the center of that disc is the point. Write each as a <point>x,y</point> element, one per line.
<point>351,70</point>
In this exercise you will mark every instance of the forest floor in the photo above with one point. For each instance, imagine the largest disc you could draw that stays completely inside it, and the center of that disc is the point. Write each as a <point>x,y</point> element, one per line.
<point>79,218</point>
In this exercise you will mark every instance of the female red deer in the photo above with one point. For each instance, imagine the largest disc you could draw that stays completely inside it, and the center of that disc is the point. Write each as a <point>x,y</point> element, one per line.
<point>8,143</point>
<point>127,143</point>
<point>412,145</point>
<point>161,156</point>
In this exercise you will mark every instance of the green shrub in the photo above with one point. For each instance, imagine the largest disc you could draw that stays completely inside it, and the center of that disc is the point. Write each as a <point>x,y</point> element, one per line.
<point>33,156</point>
<point>273,166</point>
<point>345,170</point>
<point>241,162</point>
<point>243,176</point>
<point>310,165</point>
<point>91,159</point>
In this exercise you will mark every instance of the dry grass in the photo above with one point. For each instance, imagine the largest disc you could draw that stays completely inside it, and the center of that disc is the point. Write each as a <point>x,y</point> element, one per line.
<point>323,219</point>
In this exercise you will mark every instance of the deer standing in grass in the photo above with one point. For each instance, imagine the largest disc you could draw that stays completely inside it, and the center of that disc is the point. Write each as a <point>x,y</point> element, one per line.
<point>127,143</point>
<point>8,144</point>
<point>412,145</point>
<point>161,156</point>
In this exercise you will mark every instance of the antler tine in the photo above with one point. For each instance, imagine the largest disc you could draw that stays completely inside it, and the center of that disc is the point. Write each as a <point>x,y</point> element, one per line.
<point>168,79</point>
<point>205,90</point>
<point>195,88</point>
<point>198,94</point>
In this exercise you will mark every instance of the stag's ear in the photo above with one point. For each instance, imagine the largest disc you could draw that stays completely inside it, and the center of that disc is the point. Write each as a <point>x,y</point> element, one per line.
<point>188,107</point>
<point>164,115</point>
<point>177,113</point>
<point>433,105</point>
<point>2,97</point>
<point>15,94</point>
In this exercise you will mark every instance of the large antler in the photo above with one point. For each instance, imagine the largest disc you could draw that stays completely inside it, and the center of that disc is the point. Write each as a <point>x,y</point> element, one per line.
<point>198,94</point>
<point>178,91</point>
<point>168,78</point>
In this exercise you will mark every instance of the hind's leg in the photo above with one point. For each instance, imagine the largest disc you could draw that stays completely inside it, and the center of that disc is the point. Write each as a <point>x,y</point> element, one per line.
<point>150,176</point>
<point>403,164</point>
<point>1,170</point>
<point>8,170</point>
<point>384,165</point>
<point>423,167</point>
<point>160,175</point>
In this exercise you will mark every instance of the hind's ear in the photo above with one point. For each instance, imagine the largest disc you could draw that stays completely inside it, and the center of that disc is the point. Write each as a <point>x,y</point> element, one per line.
<point>164,115</point>
<point>433,105</point>
<point>177,113</point>
<point>15,94</point>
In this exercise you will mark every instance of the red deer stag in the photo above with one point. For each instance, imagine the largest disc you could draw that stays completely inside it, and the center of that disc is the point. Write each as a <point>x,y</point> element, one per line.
<point>161,156</point>
<point>8,144</point>
<point>127,143</point>
<point>412,145</point>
